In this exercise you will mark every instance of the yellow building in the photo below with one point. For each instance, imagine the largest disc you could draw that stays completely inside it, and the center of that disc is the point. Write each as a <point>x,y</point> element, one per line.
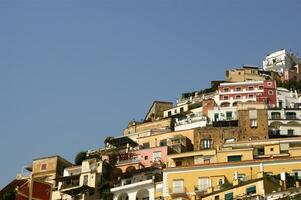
<point>246,73</point>
<point>194,175</point>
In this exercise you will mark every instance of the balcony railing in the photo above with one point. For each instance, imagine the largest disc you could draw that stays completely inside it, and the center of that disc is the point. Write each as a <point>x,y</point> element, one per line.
<point>190,120</point>
<point>133,160</point>
<point>70,185</point>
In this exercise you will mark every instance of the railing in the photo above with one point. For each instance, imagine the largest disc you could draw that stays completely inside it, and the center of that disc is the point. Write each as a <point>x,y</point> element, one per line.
<point>70,185</point>
<point>133,160</point>
<point>178,190</point>
<point>190,121</point>
<point>132,181</point>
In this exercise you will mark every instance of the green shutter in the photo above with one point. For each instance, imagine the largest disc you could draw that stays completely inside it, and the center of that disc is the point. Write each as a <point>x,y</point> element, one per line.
<point>229,196</point>
<point>251,190</point>
<point>234,158</point>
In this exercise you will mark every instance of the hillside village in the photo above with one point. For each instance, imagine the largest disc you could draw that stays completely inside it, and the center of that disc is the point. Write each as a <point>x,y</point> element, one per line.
<point>238,139</point>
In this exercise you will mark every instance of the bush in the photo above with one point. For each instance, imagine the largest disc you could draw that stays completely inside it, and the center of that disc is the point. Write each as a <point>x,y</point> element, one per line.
<point>80,157</point>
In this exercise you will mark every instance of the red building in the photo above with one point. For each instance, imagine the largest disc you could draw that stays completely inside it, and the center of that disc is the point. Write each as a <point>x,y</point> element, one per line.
<point>253,91</point>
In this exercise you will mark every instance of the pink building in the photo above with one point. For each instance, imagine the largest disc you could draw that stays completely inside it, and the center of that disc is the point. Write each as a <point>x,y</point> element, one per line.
<point>142,158</point>
<point>252,91</point>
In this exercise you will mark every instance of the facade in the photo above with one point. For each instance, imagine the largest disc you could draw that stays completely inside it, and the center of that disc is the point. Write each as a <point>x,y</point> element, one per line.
<point>246,73</point>
<point>140,185</point>
<point>156,110</point>
<point>230,94</point>
<point>181,108</point>
<point>245,162</point>
<point>80,182</point>
<point>134,128</point>
<point>292,73</point>
<point>284,122</point>
<point>280,60</point>
<point>190,120</point>
<point>286,98</point>
<point>222,114</point>
<point>47,169</point>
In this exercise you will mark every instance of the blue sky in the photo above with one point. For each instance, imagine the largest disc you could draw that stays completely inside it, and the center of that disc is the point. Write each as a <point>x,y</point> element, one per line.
<point>75,72</point>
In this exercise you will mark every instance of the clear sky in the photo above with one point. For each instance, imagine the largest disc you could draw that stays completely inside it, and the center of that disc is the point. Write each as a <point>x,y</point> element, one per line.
<point>75,72</point>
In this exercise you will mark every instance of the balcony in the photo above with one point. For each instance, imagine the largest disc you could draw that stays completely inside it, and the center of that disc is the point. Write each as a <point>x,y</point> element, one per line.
<point>189,123</point>
<point>131,184</point>
<point>128,161</point>
<point>179,191</point>
<point>70,185</point>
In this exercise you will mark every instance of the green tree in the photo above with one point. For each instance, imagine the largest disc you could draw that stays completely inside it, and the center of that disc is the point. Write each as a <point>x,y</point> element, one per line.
<point>10,195</point>
<point>80,157</point>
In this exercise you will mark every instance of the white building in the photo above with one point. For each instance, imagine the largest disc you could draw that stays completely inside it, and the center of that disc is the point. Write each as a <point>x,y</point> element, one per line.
<point>222,114</point>
<point>280,60</point>
<point>80,182</point>
<point>190,121</point>
<point>139,186</point>
<point>286,98</point>
<point>284,122</point>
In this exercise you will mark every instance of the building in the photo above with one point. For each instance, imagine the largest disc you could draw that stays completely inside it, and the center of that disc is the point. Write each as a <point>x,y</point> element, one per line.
<point>156,110</point>
<point>230,94</point>
<point>286,98</point>
<point>47,169</point>
<point>246,73</point>
<point>139,185</point>
<point>280,60</point>
<point>80,182</point>
<point>232,168</point>
<point>135,129</point>
<point>292,73</point>
<point>284,122</point>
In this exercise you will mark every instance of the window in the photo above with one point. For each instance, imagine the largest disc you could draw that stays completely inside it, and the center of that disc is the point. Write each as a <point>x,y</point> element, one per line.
<point>226,97</point>
<point>206,143</point>
<point>271,92</point>
<point>241,177</point>
<point>145,145</point>
<point>251,190</point>
<point>157,156</point>
<point>216,117</point>
<point>237,97</point>
<point>253,114</point>
<point>181,109</point>
<point>163,143</point>
<point>220,181</point>
<point>276,115</point>
<point>169,113</point>
<point>238,89</point>
<point>229,196</point>
<point>269,84</point>
<point>251,96</point>
<point>178,163</point>
<point>253,123</point>
<point>234,158</point>
<point>261,87</point>
<point>291,115</point>
<point>250,88</point>
<point>175,111</point>
<point>145,157</point>
<point>216,197</point>
<point>203,183</point>
<point>178,186</point>
<point>229,115</point>
<point>290,132</point>
<point>44,166</point>
<point>206,160</point>
<point>226,89</point>
<point>85,180</point>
